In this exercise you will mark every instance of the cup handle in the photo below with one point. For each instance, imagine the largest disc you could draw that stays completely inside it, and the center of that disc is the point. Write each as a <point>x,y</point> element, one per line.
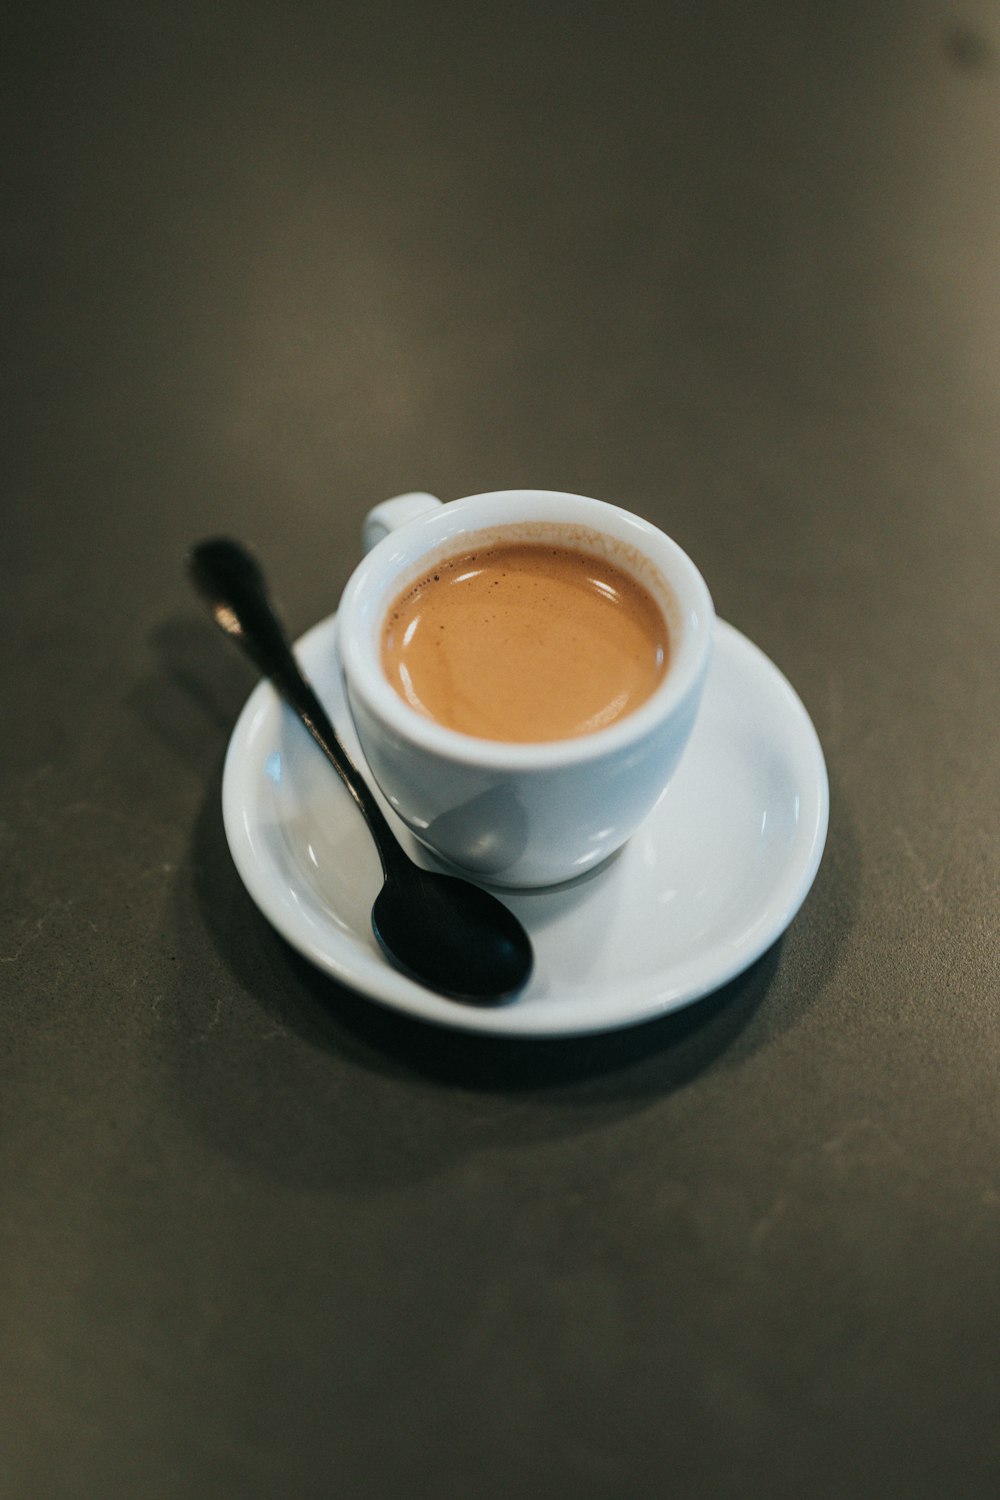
<point>395,512</point>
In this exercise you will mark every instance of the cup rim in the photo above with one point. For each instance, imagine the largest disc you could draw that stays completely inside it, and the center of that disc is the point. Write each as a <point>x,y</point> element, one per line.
<point>384,571</point>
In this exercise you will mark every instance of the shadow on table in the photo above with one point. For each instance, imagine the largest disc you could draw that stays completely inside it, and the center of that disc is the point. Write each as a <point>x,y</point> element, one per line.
<point>315,1081</point>
<point>657,1055</point>
<point>677,1046</point>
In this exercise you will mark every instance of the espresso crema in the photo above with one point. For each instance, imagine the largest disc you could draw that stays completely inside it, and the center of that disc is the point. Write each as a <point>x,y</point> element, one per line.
<point>525,642</point>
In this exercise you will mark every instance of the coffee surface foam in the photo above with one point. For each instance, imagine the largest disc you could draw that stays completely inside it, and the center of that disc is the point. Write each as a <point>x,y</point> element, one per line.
<point>525,642</point>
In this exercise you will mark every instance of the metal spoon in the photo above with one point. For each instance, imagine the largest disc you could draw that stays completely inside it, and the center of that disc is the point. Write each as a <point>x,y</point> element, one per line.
<point>444,932</point>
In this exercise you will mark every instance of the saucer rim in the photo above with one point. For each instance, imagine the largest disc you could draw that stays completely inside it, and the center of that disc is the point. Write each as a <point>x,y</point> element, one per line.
<point>368,974</point>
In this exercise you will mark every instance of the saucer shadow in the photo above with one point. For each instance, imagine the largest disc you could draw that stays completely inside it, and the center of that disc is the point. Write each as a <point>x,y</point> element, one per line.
<point>298,1077</point>
<point>654,1056</point>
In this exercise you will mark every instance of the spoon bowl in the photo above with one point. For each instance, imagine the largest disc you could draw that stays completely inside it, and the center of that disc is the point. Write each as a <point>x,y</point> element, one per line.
<point>442,931</point>
<point>451,936</point>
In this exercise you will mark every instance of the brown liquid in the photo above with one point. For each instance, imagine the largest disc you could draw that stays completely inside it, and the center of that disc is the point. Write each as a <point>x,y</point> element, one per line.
<point>525,641</point>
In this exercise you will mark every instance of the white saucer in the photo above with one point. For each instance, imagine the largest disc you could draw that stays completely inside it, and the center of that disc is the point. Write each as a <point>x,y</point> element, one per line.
<point>710,881</point>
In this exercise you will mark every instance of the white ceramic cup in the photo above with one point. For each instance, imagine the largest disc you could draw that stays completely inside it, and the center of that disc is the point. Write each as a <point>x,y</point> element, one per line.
<point>515,814</point>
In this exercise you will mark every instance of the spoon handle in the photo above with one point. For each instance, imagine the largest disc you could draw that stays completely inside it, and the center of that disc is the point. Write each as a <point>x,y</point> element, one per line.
<point>231,582</point>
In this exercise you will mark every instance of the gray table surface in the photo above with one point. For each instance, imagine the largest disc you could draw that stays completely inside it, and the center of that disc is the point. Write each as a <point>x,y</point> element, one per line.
<point>736,267</point>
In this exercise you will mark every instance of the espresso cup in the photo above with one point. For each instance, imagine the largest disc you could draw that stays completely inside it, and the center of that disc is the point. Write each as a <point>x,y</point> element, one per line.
<point>518,811</point>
